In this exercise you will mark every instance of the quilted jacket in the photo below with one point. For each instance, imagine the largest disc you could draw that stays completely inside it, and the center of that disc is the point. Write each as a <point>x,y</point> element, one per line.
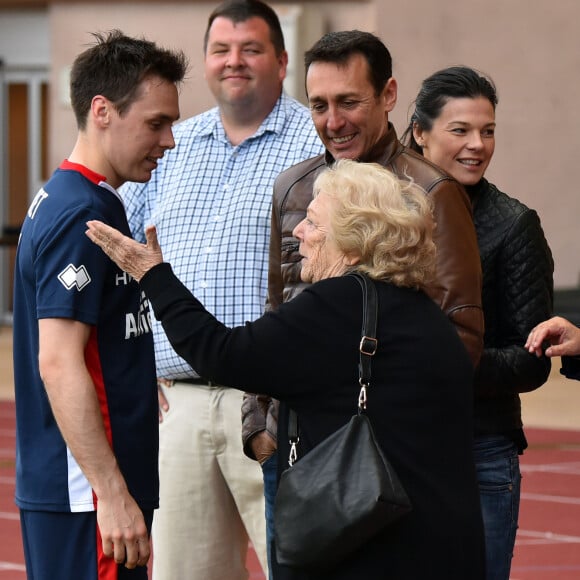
<point>571,367</point>
<point>517,294</point>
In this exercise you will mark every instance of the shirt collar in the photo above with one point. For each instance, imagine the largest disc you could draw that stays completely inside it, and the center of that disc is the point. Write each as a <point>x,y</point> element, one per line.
<point>91,175</point>
<point>382,152</point>
<point>273,123</point>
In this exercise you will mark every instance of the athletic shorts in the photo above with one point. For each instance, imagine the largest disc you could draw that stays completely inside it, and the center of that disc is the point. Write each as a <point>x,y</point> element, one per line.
<point>67,546</point>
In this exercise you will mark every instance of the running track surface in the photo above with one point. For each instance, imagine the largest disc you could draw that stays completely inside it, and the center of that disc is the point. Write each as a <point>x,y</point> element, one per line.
<point>548,542</point>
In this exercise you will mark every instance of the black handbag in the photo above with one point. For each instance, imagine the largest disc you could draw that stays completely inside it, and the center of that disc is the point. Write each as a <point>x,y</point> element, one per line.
<point>344,491</point>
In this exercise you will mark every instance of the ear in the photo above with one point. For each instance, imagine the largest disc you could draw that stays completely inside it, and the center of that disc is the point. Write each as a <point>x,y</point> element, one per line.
<point>101,111</point>
<point>283,62</point>
<point>390,94</point>
<point>419,136</point>
<point>351,260</point>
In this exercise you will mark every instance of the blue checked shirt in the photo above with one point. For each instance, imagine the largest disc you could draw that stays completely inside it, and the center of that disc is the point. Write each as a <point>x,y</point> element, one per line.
<point>211,203</point>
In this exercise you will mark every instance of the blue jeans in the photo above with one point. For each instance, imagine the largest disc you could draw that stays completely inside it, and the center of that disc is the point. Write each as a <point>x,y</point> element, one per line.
<point>269,471</point>
<point>499,478</point>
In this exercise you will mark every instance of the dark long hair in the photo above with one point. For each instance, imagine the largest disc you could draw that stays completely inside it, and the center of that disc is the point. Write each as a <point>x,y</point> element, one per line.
<point>456,82</point>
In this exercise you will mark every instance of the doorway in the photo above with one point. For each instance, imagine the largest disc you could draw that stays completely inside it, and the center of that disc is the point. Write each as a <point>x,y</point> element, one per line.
<point>23,167</point>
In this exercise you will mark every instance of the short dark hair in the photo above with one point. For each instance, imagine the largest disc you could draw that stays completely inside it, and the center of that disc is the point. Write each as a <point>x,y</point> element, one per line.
<point>455,82</point>
<point>242,10</point>
<point>115,66</point>
<point>338,47</point>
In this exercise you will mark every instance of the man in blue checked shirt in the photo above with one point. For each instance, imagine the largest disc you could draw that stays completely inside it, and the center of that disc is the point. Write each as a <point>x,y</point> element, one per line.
<point>210,199</point>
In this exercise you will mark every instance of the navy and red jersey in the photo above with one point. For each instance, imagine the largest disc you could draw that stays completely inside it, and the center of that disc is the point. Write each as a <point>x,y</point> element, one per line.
<point>60,273</point>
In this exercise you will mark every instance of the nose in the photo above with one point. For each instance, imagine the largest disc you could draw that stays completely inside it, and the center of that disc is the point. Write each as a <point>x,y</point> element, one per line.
<point>234,59</point>
<point>297,231</point>
<point>475,141</point>
<point>167,140</point>
<point>334,121</point>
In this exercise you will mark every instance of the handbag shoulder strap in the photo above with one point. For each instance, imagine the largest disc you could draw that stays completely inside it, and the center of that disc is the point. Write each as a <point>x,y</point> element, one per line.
<point>367,349</point>
<point>368,342</point>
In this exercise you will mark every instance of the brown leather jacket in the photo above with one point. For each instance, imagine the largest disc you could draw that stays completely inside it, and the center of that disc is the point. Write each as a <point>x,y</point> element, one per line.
<point>457,285</point>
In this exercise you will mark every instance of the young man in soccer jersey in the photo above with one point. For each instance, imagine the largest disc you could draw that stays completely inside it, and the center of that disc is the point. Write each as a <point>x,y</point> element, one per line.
<point>86,394</point>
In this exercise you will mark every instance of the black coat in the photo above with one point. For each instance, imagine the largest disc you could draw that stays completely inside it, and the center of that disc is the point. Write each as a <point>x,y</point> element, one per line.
<point>517,295</point>
<point>420,404</point>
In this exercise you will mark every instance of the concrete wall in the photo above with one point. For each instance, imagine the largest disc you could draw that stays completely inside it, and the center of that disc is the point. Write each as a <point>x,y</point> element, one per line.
<point>176,25</point>
<point>530,48</point>
<point>30,50</point>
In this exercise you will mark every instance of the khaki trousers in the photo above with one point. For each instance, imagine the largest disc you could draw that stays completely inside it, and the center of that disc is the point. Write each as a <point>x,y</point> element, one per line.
<point>211,494</point>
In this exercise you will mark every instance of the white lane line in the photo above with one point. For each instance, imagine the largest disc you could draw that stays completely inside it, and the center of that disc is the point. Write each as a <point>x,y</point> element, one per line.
<point>534,538</point>
<point>569,468</point>
<point>551,498</point>
<point>5,566</point>
<point>9,516</point>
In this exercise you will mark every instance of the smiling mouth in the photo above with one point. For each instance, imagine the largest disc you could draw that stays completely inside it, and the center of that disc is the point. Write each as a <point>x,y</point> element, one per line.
<point>342,140</point>
<point>470,162</point>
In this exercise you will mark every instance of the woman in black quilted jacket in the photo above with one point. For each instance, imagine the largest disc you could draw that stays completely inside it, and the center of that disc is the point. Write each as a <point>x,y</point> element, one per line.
<point>453,126</point>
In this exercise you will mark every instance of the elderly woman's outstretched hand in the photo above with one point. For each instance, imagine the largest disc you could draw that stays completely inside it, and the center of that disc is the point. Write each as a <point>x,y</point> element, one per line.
<point>132,257</point>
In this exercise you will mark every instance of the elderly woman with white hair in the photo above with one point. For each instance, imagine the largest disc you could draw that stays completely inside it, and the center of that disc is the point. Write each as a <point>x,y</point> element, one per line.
<point>306,354</point>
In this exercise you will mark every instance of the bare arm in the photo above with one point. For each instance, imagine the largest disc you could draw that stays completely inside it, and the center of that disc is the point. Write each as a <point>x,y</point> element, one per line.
<point>76,409</point>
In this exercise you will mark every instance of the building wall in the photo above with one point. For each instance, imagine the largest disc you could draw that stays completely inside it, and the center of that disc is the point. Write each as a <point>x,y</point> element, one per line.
<point>176,25</point>
<point>530,48</point>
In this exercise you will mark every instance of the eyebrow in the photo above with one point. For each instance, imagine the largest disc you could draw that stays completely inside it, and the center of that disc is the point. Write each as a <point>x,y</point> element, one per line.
<point>310,212</point>
<point>163,117</point>
<point>465,123</point>
<point>244,44</point>
<point>339,97</point>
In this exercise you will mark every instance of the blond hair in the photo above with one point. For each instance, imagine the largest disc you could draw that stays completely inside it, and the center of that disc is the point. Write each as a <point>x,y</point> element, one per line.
<point>385,221</point>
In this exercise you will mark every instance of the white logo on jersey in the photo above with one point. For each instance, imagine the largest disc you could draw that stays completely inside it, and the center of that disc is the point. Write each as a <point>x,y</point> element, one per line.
<point>123,278</point>
<point>140,324</point>
<point>38,199</point>
<point>72,276</point>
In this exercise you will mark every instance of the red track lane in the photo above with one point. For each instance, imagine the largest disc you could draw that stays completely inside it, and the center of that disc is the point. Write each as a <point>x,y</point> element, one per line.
<point>11,554</point>
<point>548,542</point>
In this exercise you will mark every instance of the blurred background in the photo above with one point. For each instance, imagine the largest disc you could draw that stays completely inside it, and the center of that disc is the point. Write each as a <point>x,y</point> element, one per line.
<point>530,48</point>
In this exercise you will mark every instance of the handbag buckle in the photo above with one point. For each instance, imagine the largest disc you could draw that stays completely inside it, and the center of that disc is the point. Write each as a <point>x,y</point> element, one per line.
<point>368,345</point>
<point>293,452</point>
<point>362,396</point>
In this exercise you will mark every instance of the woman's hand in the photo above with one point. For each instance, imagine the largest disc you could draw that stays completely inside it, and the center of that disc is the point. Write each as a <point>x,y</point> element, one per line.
<point>132,257</point>
<point>563,336</point>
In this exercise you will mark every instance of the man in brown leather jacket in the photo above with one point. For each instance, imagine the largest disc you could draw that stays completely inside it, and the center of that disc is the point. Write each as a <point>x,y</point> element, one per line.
<point>350,93</point>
